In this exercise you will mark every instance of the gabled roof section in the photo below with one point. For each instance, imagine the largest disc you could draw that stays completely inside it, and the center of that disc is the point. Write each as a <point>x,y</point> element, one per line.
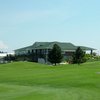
<point>40,45</point>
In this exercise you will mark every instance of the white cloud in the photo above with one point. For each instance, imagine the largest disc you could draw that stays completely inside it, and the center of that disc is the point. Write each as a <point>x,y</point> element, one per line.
<point>13,21</point>
<point>38,15</point>
<point>3,45</point>
<point>26,16</point>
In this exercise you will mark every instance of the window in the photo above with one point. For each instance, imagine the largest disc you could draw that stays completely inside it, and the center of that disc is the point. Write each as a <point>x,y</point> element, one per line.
<point>32,51</point>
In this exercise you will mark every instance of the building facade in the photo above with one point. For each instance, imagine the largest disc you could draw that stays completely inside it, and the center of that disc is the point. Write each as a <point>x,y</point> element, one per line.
<point>41,50</point>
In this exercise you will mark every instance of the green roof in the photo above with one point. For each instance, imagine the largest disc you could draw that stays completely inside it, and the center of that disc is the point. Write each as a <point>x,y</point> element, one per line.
<point>49,45</point>
<point>86,48</point>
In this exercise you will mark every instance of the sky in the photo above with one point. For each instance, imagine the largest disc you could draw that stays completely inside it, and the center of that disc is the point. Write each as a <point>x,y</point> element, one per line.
<point>23,22</point>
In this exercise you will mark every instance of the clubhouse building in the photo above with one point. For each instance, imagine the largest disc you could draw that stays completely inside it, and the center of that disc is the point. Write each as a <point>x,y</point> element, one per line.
<point>41,50</point>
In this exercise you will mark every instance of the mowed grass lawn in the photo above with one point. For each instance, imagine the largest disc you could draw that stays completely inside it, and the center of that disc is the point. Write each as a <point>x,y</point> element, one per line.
<point>31,81</point>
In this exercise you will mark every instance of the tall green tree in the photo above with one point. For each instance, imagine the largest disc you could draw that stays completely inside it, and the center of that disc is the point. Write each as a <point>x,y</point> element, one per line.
<point>55,55</point>
<point>79,56</point>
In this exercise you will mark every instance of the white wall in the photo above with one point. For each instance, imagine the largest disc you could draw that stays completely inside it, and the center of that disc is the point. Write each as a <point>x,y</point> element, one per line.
<point>41,60</point>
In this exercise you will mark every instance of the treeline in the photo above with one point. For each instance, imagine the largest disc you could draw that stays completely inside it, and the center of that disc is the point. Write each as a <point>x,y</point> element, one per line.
<point>2,52</point>
<point>24,57</point>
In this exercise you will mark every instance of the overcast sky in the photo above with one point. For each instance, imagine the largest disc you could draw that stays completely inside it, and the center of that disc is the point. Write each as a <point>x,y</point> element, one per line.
<point>22,22</point>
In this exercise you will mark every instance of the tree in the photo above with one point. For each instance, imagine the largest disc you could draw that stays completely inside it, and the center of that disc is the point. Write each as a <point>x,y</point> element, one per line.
<point>79,56</point>
<point>55,55</point>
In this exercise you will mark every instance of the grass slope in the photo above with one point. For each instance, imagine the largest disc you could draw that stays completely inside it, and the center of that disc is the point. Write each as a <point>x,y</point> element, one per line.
<point>31,81</point>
